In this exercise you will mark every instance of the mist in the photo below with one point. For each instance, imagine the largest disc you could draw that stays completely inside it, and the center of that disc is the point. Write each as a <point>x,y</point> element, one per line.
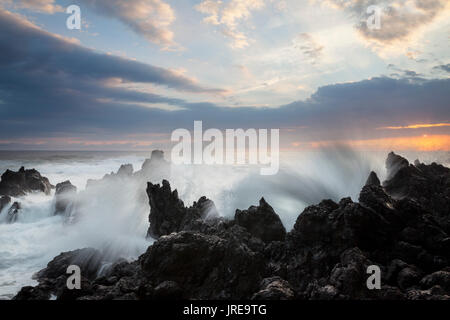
<point>111,214</point>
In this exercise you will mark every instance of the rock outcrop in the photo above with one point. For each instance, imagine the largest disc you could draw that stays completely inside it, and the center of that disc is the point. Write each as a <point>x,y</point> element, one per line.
<point>325,256</point>
<point>19,183</point>
<point>168,213</point>
<point>64,197</point>
<point>262,222</point>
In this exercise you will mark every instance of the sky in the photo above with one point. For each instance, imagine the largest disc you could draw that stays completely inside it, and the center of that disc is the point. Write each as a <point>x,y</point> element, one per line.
<point>139,69</point>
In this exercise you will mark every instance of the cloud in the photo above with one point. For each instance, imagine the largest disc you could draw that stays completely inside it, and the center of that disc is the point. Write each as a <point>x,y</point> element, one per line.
<point>43,6</point>
<point>40,52</point>
<point>402,22</point>
<point>443,67</point>
<point>150,18</point>
<point>418,126</point>
<point>308,46</point>
<point>62,85</point>
<point>229,15</point>
<point>51,88</point>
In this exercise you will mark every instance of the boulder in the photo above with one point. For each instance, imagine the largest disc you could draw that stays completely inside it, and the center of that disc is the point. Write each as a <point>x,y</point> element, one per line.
<point>199,255</point>
<point>19,183</point>
<point>274,288</point>
<point>64,196</point>
<point>204,266</point>
<point>262,222</point>
<point>168,213</point>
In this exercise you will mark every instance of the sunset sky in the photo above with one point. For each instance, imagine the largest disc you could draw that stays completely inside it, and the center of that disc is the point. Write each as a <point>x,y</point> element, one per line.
<point>139,69</point>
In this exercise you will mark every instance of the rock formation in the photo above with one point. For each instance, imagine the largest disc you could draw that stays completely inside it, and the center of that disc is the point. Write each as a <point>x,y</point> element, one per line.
<point>401,227</point>
<point>19,183</point>
<point>64,196</point>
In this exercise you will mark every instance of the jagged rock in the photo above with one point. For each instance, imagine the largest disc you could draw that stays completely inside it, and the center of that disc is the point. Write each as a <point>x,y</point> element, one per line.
<point>262,222</point>
<point>168,213</point>
<point>204,266</point>
<point>52,280</point>
<point>441,278</point>
<point>373,196</point>
<point>198,255</point>
<point>167,290</point>
<point>429,185</point>
<point>64,196</point>
<point>408,277</point>
<point>394,163</point>
<point>373,179</point>
<point>32,293</point>
<point>274,288</point>
<point>19,183</point>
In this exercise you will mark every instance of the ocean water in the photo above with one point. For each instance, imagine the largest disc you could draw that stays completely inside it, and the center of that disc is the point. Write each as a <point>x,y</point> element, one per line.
<point>115,217</point>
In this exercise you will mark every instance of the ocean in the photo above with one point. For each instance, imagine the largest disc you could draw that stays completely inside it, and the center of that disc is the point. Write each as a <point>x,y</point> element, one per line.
<point>117,218</point>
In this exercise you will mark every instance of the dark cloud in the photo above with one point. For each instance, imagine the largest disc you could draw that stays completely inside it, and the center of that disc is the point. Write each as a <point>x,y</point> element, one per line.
<point>30,50</point>
<point>403,73</point>
<point>399,19</point>
<point>50,87</point>
<point>443,67</point>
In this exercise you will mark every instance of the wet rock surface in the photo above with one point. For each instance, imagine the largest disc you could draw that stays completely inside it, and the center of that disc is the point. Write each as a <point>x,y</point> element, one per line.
<point>19,183</point>
<point>64,197</point>
<point>400,226</point>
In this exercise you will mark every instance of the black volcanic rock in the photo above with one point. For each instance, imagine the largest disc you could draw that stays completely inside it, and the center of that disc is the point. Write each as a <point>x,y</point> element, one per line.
<point>64,196</point>
<point>19,183</point>
<point>52,279</point>
<point>204,266</point>
<point>395,163</point>
<point>262,222</point>
<point>373,179</point>
<point>198,255</point>
<point>168,213</point>
<point>274,288</point>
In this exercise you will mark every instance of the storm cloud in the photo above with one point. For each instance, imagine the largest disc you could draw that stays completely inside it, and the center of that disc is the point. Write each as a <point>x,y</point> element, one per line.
<point>53,87</point>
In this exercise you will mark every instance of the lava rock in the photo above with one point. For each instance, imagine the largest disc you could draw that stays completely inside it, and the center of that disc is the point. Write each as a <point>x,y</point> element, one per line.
<point>402,227</point>
<point>262,222</point>
<point>64,196</point>
<point>168,213</point>
<point>19,183</point>
<point>204,266</point>
<point>274,288</point>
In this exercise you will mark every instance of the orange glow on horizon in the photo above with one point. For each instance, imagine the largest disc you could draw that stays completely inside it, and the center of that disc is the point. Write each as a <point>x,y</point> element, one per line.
<point>419,143</point>
<point>418,126</point>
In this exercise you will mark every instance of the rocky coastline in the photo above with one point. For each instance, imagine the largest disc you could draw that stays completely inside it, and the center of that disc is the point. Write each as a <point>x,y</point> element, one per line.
<point>401,225</point>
